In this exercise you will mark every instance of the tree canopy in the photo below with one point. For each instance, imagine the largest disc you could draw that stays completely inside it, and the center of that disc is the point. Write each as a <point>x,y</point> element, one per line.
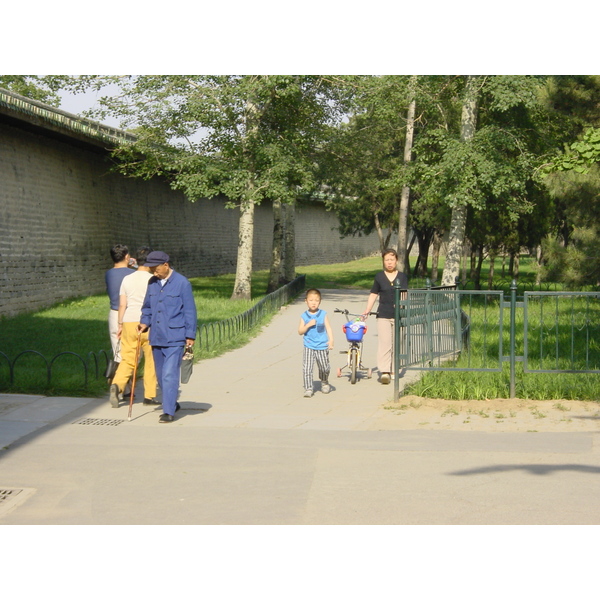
<point>500,162</point>
<point>247,138</point>
<point>36,87</point>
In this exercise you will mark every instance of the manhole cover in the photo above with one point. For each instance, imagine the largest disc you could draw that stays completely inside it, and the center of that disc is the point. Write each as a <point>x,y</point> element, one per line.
<point>12,497</point>
<point>90,421</point>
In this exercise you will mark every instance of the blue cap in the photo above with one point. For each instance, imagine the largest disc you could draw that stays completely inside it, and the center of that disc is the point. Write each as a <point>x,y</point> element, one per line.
<point>156,258</point>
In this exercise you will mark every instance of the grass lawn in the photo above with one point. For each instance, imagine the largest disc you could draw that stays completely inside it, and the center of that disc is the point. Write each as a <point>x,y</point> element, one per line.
<point>79,327</point>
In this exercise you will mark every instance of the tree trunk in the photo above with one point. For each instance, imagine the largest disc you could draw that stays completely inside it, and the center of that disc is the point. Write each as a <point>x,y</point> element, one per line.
<point>275,274</point>
<point>289,255</point>
<point>407,263</point>
<point>435,256</point>
<point>515,268</point>
<point>455,244</point>
<point>491,273</point>
<point>459,212</point>
<point>424,241</point>
<point>539,254</point>
<point>475,251</point>
<point>384,239</point>
<point>477,267</point>
<point>379,230</point>
<point>388,237</point>
<point>466,253</point>
<point>405,196</point>
<point>242,288</point>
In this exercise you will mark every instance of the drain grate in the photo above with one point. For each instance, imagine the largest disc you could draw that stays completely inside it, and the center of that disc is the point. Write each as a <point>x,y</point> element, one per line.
<point>12,497</point>
<point>8,494</point>
<point>109,422</point>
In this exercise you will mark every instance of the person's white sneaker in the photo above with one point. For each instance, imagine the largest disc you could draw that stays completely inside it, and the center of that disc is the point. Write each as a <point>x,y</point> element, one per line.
<point>308,393</point>
<point>325,388</point>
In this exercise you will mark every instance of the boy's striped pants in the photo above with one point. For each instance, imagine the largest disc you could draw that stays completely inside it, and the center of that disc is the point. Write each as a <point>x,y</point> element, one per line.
<point>308,362</point>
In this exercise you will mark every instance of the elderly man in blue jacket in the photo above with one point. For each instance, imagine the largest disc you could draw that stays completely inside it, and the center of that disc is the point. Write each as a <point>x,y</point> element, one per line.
<point>169,311</point>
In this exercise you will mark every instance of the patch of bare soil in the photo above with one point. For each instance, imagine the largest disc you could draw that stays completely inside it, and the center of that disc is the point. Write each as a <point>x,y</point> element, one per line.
<point>415,412</point>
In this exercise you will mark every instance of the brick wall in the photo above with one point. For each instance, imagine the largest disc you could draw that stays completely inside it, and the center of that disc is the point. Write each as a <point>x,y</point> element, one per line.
<point>61,210</point>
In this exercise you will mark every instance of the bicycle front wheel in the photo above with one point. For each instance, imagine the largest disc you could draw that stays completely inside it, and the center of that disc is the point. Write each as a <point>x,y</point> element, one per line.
<point>353,364</point>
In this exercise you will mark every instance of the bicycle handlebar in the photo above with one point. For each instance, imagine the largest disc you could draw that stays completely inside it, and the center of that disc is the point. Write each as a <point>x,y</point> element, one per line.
<point>349,314</point>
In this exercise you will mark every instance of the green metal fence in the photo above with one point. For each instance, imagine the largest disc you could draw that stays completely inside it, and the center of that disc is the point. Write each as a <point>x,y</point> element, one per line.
<point>561,332</point>
<point>209,336</point>
<point>34,361</point>
<point>472,330</point>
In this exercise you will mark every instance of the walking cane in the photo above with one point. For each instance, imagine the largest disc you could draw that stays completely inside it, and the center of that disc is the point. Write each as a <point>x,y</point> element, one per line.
<point>135,366</point>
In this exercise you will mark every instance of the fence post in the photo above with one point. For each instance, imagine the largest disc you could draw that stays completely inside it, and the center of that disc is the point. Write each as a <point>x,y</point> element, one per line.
<point>428,325</point>
<point>512,361</point>
<point>396,341</point>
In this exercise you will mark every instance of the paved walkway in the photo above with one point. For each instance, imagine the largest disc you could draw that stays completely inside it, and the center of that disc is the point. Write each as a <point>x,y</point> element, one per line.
<point>247,448</point>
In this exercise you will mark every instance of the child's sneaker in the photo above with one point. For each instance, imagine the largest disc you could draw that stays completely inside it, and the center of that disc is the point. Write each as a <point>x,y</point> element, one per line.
<point>325,388</point>
<point>308,394</point>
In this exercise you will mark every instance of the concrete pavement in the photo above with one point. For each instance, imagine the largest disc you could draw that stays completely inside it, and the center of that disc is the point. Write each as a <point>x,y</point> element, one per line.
<point>247,448</point>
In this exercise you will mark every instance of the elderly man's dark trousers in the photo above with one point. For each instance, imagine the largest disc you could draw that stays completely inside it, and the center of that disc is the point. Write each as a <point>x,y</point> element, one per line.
<point>167,362</point>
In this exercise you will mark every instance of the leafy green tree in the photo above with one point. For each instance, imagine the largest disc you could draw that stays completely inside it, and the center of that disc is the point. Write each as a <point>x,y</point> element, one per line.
<point>570,250</point>
<point>576,266</point>
<point>494,230</point>
<point>576,98</point>
<point>575,231</point>
<point>465,191</point>
<point>371,154</point>
<point>359,161</point>
<point>36,87</point>
<point>581,155</point>
<point>479,145</point>
<point>403,210</point>
<point>487,158</point>
<point>429,220</point>
<point>247,138</point>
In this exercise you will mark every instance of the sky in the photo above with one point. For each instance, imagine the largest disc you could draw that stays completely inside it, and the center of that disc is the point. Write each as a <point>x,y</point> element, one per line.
<point>77,103</point>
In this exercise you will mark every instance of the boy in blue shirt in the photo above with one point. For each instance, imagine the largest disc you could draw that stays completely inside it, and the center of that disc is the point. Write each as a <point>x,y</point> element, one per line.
<point>318,340</point>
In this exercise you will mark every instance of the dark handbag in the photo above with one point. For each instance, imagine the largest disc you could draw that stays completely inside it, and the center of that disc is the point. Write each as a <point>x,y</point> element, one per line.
<point>112,366</point>
<point>111,369</point>
<point>187,364</point>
